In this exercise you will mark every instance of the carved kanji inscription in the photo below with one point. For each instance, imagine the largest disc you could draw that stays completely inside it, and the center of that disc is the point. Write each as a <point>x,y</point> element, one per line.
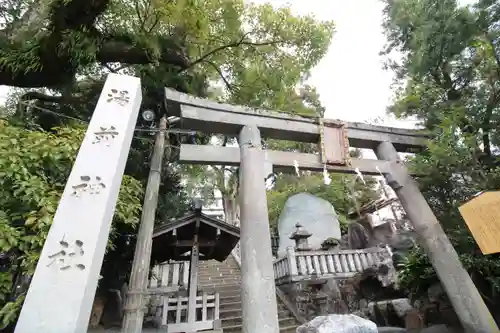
<point>88,184</point>
<point>69,255</point>
<point>105,135</point>
<point>120,97</point>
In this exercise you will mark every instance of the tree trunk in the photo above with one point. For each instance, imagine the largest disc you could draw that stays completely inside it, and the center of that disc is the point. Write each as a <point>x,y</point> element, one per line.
<point>231,209</point>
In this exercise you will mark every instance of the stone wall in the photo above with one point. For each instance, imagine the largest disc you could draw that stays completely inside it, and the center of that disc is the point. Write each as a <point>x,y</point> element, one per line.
<point>364,295</point>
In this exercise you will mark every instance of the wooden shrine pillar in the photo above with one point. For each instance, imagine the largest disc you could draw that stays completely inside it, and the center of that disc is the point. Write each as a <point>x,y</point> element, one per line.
<point>135,300</point>
<point>465,298</point>
<point>193,277</point>
<point>258,291</point>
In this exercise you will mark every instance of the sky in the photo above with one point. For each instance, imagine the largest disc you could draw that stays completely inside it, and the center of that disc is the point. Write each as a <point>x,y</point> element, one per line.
<point>350,79</point>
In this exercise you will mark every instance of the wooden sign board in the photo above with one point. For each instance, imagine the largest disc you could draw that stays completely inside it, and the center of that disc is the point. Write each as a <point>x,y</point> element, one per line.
<point>482,216</point>
<point>335,143</point>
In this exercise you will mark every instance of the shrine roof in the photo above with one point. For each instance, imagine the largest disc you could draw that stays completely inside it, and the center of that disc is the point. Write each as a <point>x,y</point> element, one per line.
<point>172,240</point>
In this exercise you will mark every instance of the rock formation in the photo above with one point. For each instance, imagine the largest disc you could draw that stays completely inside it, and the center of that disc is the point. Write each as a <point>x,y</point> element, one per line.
<point>316,216</point>
<point>357,236</point>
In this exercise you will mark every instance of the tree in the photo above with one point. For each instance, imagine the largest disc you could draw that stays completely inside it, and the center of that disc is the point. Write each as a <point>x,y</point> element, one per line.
<point>267,77</point>
<point>449,79</point>
<point>33,168</point>
<point>67,37</point>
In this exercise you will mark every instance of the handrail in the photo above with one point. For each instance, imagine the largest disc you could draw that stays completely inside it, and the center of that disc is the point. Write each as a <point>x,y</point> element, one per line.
<point>302,265</point>
<point>171,275</point>
<point>236,253</point>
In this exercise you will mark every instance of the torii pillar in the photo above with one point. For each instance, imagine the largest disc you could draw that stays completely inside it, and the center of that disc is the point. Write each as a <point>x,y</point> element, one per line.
<point>258,293</point>
<point>463,294</point>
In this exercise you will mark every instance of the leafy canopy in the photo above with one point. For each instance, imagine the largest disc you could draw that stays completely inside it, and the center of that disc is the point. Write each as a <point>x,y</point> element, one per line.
<point>449,79</point>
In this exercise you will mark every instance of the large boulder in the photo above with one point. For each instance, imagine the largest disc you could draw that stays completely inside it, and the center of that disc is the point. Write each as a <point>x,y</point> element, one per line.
<point>336,323</point>
<point>316,215</point>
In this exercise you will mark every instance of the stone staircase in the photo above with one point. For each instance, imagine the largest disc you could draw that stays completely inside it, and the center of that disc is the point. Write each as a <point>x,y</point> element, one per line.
<point>225,278</point>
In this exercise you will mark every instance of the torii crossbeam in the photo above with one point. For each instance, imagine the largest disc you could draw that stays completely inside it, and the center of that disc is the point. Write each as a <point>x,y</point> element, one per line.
<point>334,138</point>
<point>211,117</point>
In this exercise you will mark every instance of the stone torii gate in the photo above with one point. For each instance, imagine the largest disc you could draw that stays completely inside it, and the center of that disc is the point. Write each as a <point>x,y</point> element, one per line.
<point>63,286</point>
<point>334,139</point>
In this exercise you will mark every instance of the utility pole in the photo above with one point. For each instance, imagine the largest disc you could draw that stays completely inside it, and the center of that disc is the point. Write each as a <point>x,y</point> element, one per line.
<point>136,296</point>
<point>465,298</point>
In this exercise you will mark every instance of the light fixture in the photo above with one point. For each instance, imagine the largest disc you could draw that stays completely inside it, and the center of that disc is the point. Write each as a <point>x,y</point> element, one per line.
<point>148,115</point>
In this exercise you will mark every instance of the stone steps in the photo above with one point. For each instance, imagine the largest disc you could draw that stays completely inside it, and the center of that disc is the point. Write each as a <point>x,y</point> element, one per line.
<point>285,323</point>
<point>220,280</point>
<point>234,317</point>
<point>225,278</point>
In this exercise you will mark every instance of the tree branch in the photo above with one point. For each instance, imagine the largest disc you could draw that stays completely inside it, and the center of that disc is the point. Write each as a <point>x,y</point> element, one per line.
<point>217,69</point>
<point>123,49</point>
<point>55,69</point>
<point>56,66</point>
<point>225,140</point>
<point>495,54</point>
<point>486,125</point>
<point>230,45</point>
<point>22,104</point>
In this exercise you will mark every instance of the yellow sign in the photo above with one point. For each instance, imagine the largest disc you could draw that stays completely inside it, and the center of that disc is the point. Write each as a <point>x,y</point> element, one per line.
<point>482,216</point>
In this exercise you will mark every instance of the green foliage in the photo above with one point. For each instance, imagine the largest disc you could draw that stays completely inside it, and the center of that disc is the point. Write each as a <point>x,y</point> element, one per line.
<point>34,166</point>
<point>329,242</point>
<point>264,73</point>
<point>216,38</point>
<point>451,60</point>
<point>416,266</point>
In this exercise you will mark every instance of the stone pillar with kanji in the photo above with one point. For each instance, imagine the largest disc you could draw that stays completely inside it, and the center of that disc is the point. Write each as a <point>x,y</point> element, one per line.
<point>62,290</point>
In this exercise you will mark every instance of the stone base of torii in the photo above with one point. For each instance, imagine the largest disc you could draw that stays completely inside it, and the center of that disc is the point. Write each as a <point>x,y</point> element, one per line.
<point>69,284</point>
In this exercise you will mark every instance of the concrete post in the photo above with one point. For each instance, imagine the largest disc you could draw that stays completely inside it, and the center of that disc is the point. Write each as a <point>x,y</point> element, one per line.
<point>466,300</point>
<point>258,293</point>
<point>134,303</point>
<point>63,287</point>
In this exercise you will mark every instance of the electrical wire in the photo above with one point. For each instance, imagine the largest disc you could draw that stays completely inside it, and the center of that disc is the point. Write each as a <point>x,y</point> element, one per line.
<point>137,129</point>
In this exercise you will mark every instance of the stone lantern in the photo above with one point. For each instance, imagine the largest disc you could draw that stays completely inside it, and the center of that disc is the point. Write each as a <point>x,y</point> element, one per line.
<point>300,236</point>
